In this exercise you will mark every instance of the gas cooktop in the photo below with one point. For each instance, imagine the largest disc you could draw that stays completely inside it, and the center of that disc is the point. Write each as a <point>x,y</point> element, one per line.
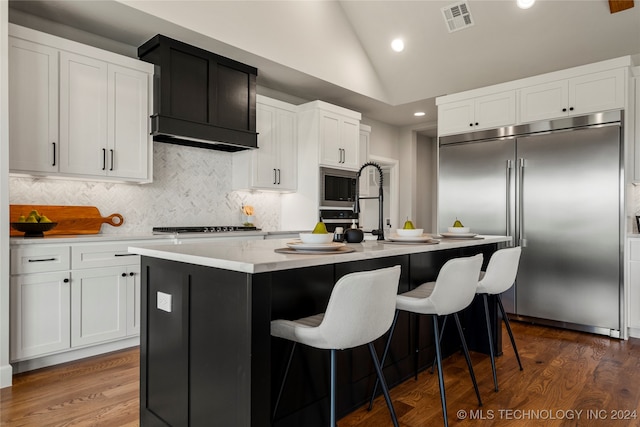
<point>206,229</point>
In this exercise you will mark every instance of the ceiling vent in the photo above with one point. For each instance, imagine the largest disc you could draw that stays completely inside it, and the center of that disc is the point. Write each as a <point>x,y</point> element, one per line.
<point>457,16</point>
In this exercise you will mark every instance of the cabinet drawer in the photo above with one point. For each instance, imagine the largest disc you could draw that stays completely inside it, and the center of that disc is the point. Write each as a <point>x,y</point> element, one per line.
<point>40,259</point>
<point>103,255</point>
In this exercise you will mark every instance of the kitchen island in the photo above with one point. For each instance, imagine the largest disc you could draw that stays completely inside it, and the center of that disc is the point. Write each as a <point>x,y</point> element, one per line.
<point>207,356</point>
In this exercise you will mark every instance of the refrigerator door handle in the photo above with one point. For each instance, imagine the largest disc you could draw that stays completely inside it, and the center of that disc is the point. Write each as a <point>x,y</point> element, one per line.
<point>522,241</point>
<point>508,204</point>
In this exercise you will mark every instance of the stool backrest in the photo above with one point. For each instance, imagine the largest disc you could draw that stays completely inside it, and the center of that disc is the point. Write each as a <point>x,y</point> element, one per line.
<point>456,285</point>
<point>360,308</point>
<point>501,271</point>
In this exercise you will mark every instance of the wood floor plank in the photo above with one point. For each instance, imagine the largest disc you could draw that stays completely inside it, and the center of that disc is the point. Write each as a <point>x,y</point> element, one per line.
<point>569,379</point>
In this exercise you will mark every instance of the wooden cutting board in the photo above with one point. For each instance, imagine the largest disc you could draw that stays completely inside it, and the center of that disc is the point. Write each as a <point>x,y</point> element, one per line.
<point>70,219</point>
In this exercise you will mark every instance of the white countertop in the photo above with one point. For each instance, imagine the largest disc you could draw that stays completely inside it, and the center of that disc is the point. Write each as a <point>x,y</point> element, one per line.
<point>258,256</point>
<point>87,238</point>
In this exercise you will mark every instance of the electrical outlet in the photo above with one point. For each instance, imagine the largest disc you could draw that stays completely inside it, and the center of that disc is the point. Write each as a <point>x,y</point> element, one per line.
<point>164,302</point>
<point>389,222</point>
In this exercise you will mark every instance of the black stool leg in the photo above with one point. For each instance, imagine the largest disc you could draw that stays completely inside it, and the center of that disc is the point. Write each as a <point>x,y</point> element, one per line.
<point>443,399</point>
<point>384,357</point>
<point>444,324</point>
<point>284,379</point>
<point>491,351</point>
<point>383,384</point>
<point>508,325</point>
<point>332,422</point>
<point>466,356</point>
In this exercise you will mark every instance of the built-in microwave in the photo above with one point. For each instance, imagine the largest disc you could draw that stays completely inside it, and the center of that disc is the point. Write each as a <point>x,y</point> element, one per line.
<point>337,188</point>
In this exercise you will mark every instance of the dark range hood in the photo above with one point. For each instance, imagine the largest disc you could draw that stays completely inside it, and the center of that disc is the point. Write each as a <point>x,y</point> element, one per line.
<point>201,99</point>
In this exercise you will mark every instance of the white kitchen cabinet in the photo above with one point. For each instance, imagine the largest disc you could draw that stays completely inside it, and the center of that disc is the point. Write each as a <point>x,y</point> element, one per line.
<point>339,141</point>
<point>633,285</point>
<point>273,166</point>
<point>365,135</point>
<point>98,305</point>
<point>33,101</point>
<point>479,113</point>
<point>331,130</point>
<point>40,314</point>
<point>70,297</point>
<point>77,111</point>
<point>635,135</point>
<point>580,95</point>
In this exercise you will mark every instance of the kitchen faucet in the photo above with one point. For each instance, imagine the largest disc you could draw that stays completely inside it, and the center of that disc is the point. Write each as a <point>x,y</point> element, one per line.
<point>356,206</point>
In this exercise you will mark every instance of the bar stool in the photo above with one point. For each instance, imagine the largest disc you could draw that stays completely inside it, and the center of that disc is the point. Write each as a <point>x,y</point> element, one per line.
<point>452,292</point>
<point>360,310</point>
<point>499,276</point>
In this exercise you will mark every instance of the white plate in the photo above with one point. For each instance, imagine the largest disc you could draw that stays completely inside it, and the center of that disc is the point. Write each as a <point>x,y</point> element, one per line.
<point>459,235</point>
<point>421,239</point>
<point>298,245</point>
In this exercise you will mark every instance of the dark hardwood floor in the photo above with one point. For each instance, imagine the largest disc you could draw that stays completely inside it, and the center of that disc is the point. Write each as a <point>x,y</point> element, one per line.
<point>569,379</point>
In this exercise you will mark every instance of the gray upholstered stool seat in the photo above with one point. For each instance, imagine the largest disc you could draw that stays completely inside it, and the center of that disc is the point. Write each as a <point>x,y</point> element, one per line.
<point>499,276</point>
<point>360,310</point>
<point>452,292</point>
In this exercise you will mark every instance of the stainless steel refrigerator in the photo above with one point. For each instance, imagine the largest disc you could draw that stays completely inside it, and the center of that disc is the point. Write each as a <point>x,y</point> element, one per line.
<point>556,188</point>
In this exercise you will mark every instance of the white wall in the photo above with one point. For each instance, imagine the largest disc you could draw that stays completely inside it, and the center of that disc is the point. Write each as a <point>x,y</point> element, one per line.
<point>5,367</point>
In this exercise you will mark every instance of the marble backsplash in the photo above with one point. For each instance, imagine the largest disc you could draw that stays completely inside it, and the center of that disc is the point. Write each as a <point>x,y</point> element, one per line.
<point>191,186</point>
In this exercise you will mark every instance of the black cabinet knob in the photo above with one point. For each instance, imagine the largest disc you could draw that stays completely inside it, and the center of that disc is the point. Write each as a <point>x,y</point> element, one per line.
<point>564,110</point>
<point>570,108</point>
<point>66,280</point>
<point>476,123</point>
<point>471,124</point>
<point>131,274</point>
<point>124,274</point>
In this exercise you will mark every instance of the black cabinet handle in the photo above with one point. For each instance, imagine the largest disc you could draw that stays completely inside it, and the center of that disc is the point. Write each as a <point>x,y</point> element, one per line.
<point>570,108</point>
<point>278,176</point>
<point>275,177</point>
<point>476,123</point>
<point>42,260</point>
<point>111,168</point>
<point>54,154</point>
<point>564,110</point>
<point>66,280</point>
<point>471,124</point>
<point>124,274</point>
<point>104,159</point>
<point>132,273</point>
<point>125,254</point>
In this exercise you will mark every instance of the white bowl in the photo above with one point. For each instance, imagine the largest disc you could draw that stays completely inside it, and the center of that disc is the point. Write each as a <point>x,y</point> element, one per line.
<point>316,238</point>
<point>409,232</point>
<point>459,229</point>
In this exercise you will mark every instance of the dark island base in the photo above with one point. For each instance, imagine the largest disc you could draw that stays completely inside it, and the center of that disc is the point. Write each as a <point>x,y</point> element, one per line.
<point>212,361</point>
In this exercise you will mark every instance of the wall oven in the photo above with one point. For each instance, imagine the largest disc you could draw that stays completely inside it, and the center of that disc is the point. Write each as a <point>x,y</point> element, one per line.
<point>337,188</point>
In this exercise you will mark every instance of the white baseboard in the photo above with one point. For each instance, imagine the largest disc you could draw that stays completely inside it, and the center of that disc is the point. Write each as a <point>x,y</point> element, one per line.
<point>76,354</point>
<point>6,374</point>
<point>634,332</point>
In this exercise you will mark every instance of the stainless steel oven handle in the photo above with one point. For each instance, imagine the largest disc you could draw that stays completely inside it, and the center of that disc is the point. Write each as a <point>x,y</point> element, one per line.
<point>508,198</point>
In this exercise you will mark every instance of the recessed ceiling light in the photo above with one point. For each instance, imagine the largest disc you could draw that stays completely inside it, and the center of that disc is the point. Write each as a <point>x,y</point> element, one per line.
<point>419,113</point>
<point>525,4</point>
<point>397,45</point>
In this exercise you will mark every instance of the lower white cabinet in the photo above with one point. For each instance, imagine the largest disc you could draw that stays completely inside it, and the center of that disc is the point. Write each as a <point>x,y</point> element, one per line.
<point>70,297</point>
<point>40,314</point>
<point>633,285</point>
<point>98,305</point>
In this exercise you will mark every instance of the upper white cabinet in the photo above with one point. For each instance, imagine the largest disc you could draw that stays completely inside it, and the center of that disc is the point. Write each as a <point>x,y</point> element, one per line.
<point>77,111</point>
<point>576,91</point>
<point>484,112</point>
<point>33,102</point>
<point>339,141</point>
<point>273,166</point>
<point>580,95</point>
<point>335,131</point>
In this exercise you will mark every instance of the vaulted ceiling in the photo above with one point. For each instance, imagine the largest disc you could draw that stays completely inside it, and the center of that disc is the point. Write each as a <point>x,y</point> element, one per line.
<point>339,51</point>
